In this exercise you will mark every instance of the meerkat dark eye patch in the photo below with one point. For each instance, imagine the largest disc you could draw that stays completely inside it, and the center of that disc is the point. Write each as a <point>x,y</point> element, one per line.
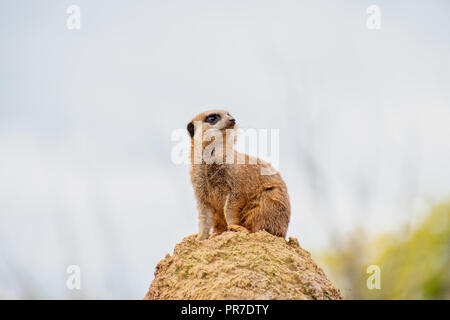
<point>191,129</point>
<point>212,118</point>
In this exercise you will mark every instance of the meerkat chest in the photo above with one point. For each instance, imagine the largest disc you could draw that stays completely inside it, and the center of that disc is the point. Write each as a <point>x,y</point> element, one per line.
<point>214,184</point>
<point>218,179</point>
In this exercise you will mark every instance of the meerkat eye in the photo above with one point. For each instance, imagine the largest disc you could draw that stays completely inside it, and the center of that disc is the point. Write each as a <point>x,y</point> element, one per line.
<point>212,118</point>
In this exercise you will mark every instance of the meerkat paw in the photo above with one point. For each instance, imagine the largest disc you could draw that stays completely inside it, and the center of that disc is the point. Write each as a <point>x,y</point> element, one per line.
<point>237,228</point>
<point>202,236</point>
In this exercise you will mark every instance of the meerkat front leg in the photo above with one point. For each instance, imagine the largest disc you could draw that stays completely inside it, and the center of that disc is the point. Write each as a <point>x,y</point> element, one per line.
<point>204,221</point>
<point>231,212</point>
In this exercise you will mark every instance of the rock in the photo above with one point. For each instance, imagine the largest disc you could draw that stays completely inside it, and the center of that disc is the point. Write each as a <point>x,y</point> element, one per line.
<point>238,265</point>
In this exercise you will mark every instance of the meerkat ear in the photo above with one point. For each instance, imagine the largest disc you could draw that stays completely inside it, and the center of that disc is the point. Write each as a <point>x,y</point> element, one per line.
<point>191,128</point>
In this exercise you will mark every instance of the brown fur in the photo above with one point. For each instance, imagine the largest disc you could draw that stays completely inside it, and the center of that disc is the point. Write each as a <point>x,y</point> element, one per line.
<point>235,196</point>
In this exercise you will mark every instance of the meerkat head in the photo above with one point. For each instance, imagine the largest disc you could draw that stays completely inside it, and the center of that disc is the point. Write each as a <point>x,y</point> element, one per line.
<point>211,120</point>
<point>212,128</point>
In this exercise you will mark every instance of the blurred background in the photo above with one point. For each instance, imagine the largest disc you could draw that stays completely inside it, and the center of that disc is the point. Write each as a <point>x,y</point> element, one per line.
<point>86,118</point>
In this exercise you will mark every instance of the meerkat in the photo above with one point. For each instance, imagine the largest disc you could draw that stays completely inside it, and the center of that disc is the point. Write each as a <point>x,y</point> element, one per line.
<point>231,191</point>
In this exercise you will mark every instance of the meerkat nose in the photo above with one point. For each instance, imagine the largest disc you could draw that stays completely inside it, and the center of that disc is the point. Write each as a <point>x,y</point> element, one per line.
<point>232,120</point>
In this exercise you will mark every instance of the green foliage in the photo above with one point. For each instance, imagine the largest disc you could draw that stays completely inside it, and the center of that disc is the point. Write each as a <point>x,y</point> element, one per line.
<point>412,267</point>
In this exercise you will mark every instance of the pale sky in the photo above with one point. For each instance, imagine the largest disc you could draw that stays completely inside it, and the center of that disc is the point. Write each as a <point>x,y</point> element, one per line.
<point>86,118</point>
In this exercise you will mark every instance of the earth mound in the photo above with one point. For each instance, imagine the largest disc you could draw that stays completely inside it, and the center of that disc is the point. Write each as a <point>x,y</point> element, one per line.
<point>238,265</point>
